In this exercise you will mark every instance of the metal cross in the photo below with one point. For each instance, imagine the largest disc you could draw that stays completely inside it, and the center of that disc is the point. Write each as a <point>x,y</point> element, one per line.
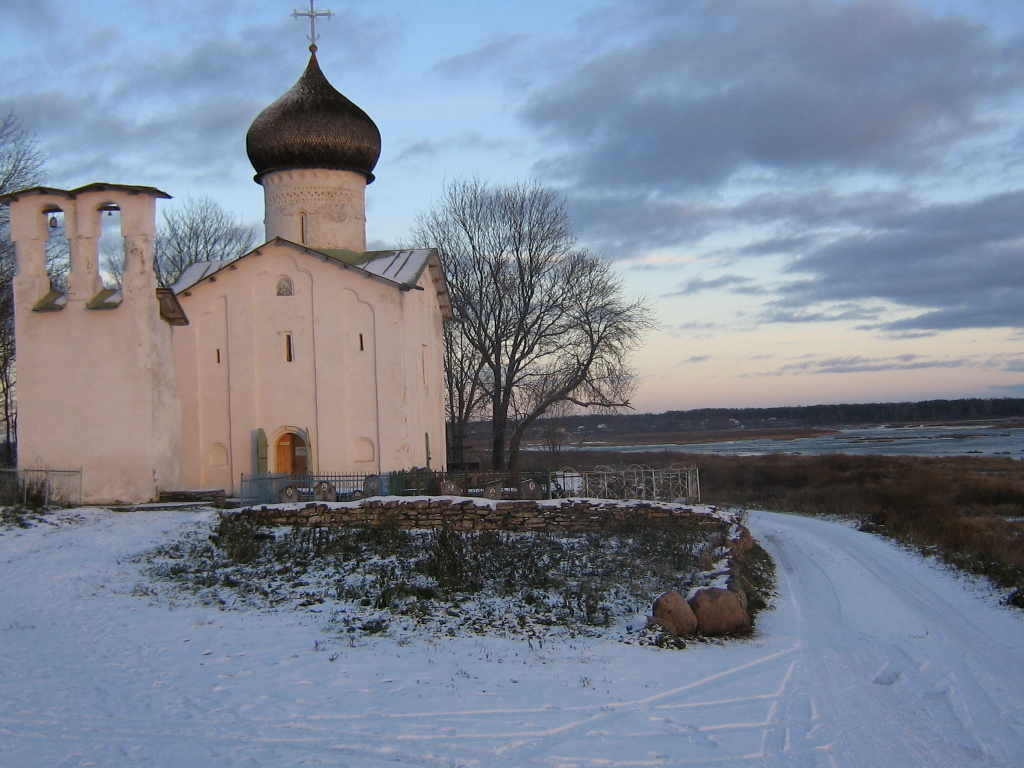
<point>313,15</point>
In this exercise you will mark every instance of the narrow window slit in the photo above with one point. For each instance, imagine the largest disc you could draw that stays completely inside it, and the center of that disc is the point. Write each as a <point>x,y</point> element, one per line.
<point>288,350</point>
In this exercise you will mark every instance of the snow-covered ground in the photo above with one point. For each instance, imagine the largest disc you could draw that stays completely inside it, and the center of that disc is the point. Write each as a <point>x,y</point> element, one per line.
<point>871,658</point>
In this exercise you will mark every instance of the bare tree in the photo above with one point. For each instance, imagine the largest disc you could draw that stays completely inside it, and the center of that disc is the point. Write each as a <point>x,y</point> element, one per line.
<point>21,161</point>
<point>21,165</point>
<point>464,395</point>
<point>200,230</point>
<point>547,322</point>
<point>556,431</point>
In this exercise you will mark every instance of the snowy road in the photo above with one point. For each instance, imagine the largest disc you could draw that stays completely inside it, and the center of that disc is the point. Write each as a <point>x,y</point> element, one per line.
<point>895,664</point>
<point>872,658</point>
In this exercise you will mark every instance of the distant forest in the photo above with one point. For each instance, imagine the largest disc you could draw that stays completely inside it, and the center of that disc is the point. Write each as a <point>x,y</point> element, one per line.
<point>804,417</point>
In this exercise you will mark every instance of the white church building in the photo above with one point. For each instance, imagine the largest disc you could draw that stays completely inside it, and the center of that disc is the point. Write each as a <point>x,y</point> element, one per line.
<point>307,354</point>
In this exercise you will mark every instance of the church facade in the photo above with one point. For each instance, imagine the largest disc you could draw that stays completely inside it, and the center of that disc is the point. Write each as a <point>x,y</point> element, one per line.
<point>307,354</point>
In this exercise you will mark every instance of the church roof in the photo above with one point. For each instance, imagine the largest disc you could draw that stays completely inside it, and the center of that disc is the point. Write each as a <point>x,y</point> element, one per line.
<point>194,273</point>
<point>401,268</point>
<point>313,126</point>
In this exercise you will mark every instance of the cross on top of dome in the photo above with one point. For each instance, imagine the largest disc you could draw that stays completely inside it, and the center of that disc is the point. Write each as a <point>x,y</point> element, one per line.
<point>313,15</point>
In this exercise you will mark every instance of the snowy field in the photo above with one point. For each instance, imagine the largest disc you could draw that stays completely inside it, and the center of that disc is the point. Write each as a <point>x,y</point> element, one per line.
<point>872,657</point>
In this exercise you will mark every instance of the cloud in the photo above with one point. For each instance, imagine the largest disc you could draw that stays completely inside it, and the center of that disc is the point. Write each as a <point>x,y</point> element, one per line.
<point>707,90</point>
<point>623,225</point>
<point>653,262</point>
<point>31,13</point>
<point>166,113</point>
<point>903,335</point>
<point>696,329</point>
<point>870,147</point>
<point>420,148</point>
<point>473,62</point>
<point>698,284</point>
<point>695,359</point>
<point>859,364</point>
<point>696,325</point>
<point>963,263</point>
<point>89,142</point>
<point>776,312</point>
<point>435,147</point>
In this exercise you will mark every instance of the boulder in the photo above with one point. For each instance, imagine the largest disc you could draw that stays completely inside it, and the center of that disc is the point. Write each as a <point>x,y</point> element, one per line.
<point>719,612</point>
<point>738,587</point>
<point>743,541</point>
<point>672,612</point>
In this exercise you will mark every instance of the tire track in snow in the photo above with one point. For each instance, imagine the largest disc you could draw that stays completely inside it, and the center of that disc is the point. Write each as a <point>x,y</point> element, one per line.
<point>871,659</point>
<point>896,669</point>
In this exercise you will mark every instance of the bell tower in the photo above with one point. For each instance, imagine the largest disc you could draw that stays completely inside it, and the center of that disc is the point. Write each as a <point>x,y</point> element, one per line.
<point>96,386</point>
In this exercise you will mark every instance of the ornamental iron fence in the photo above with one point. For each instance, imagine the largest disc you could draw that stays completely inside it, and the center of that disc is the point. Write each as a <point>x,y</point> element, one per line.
<point>635,482</point>
<point>41,487</point>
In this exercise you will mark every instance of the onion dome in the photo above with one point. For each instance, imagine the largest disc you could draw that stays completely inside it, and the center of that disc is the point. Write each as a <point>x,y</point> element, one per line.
<point>313,126</point>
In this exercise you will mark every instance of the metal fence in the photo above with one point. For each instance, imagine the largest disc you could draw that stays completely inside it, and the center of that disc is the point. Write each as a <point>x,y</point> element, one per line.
<point>635,482</point>
<point>41,487</point>
<point>276,487</point>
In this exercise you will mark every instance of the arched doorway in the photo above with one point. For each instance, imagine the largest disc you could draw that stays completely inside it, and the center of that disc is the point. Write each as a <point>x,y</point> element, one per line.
<point>291,454</point>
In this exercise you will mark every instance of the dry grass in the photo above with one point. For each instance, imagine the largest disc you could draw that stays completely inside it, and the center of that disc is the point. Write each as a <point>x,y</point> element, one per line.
<point>967,510</point>
<point>385,578</point>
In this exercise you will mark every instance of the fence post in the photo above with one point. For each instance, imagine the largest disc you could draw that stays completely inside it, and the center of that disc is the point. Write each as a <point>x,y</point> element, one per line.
<point>46,492</point>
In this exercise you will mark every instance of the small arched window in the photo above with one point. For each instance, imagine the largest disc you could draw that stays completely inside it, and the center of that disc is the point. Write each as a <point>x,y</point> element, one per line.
<point>285,287</point>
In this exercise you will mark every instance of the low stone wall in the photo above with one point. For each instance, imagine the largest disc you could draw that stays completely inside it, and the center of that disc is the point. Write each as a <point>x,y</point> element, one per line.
<point>463,514</point>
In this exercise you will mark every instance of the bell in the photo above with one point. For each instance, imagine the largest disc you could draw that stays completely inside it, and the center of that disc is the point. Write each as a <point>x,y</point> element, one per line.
<point>53,222</point>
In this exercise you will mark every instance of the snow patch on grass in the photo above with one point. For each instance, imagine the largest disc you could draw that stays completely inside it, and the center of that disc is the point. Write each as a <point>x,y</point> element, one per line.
<point>388,581</point>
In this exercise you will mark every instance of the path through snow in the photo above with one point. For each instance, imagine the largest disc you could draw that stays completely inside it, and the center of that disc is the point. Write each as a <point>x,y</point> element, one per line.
<point>872,658</point>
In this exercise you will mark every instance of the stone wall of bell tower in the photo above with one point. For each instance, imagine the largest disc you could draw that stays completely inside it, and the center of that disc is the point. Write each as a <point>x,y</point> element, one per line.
<point>316,207</point>
<point>96,387</point>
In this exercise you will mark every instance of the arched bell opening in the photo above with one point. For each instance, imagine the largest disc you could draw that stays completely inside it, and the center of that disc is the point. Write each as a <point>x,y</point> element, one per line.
<point>111,246</point>
<point>58,249</point>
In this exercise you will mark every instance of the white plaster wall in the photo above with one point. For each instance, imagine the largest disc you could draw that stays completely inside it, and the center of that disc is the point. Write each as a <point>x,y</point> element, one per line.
<point>333,202</point>
<point>96,388</point>
<point>344,397</point>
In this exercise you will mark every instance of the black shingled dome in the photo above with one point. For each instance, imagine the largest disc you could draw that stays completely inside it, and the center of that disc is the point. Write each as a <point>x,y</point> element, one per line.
<point>313,126</point>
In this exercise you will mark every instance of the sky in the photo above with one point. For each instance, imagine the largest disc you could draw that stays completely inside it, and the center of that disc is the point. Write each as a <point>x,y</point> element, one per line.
<point>823,200</point>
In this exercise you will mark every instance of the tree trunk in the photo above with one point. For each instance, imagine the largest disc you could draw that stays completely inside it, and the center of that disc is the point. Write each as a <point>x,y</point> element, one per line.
<point>499,426</point>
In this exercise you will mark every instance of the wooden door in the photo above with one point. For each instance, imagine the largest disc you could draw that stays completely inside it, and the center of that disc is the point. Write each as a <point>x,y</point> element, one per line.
<point>291,454</point>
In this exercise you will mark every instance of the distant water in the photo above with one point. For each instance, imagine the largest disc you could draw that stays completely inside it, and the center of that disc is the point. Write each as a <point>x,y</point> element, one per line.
<point>884,441</point>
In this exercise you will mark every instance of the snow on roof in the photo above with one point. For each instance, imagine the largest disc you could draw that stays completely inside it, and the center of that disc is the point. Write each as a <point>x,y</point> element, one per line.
<point>403,268</point>
<point>193,273</point>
